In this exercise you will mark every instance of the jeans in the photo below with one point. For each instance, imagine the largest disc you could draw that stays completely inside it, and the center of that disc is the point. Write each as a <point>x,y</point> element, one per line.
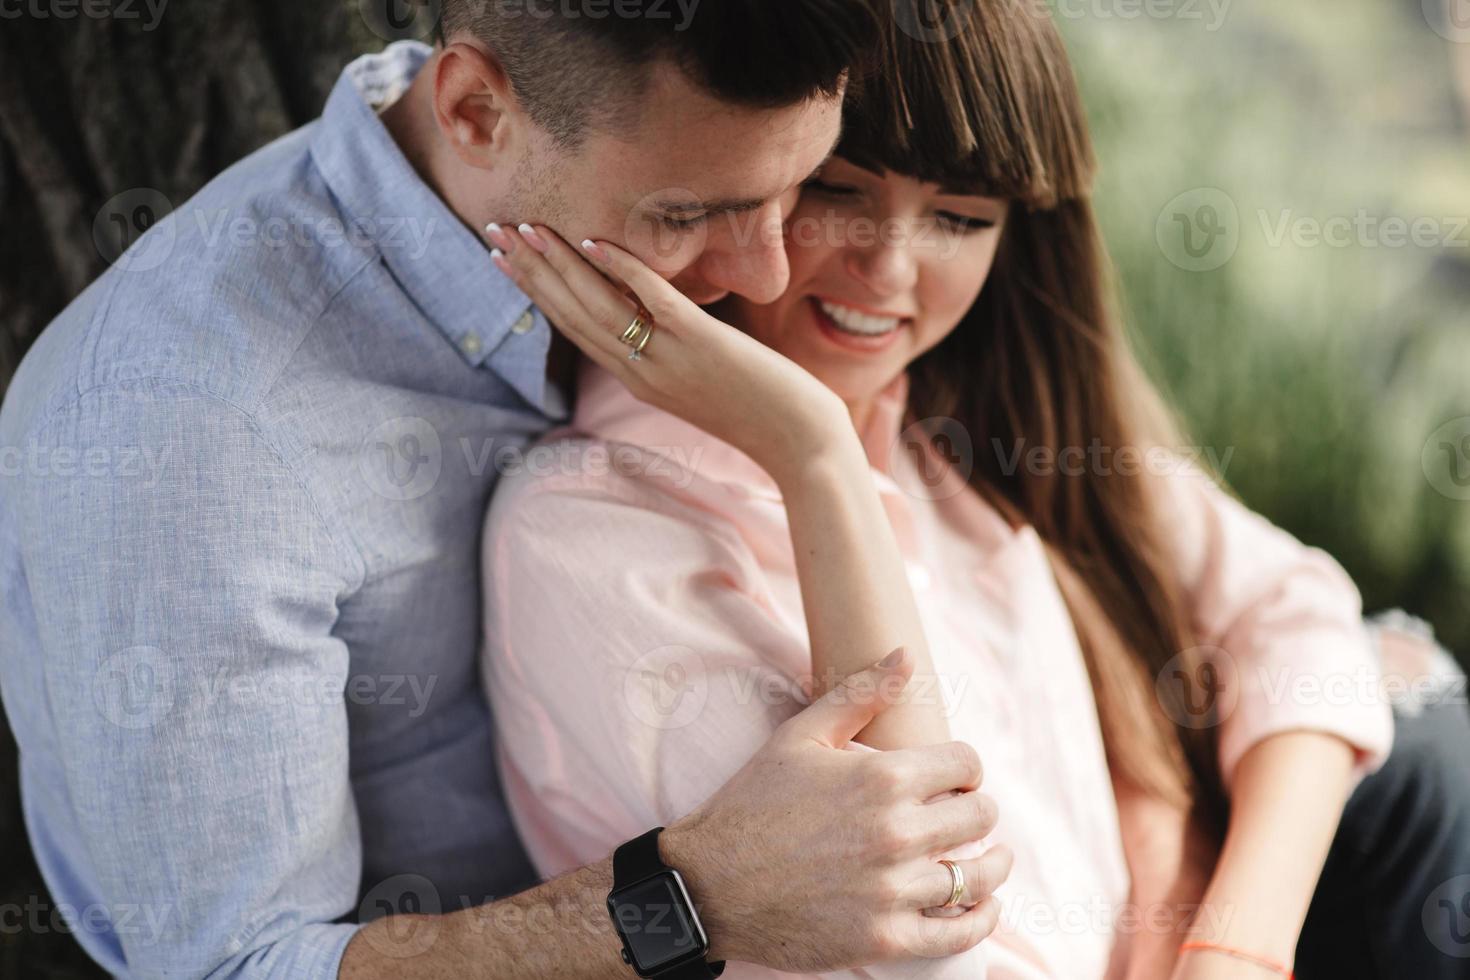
<point>1394,897</point>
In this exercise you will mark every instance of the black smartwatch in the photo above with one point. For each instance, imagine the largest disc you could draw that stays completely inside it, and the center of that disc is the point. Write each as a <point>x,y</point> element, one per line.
<point>654,916</point>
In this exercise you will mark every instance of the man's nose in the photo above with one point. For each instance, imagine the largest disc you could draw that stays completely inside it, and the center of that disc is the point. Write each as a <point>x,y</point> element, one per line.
<point>751,261</point>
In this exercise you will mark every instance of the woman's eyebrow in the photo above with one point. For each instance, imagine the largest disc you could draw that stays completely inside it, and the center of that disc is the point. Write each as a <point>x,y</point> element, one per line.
<point>955,190</point>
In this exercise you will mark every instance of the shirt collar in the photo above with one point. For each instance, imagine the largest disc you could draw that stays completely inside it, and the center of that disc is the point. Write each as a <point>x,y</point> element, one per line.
<point>442,266</point>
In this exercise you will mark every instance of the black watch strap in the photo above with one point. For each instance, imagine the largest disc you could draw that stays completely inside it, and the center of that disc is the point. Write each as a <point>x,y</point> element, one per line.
<point>638,859</point>
<point>698,970</point>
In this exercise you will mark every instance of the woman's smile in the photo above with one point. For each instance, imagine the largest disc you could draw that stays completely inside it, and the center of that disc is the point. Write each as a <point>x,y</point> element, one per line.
<point>854,329</point>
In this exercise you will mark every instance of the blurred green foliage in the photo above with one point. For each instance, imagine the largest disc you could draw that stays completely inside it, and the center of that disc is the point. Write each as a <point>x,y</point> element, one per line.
<point>1326,356</point>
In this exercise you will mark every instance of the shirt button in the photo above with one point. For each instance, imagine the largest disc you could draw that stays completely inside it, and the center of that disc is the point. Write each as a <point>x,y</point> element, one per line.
<point>470,343</point>
<point>523,323</point>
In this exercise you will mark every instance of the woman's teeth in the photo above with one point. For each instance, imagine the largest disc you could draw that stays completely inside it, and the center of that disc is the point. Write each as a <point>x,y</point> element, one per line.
<point>860,323</point>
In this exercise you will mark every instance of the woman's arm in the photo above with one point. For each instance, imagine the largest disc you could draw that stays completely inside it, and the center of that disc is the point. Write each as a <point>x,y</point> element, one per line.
<point>855,589</point>
<point>1290,790</point>
<point>1285,620</point>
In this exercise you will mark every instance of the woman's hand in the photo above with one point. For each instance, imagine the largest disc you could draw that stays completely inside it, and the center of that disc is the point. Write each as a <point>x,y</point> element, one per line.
<point>704,371</point>
<point>1170,861</point>
<point>1204,965</point>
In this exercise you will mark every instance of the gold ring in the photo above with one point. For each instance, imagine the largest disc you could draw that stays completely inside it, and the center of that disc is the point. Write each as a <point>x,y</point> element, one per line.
<point>631,333</point>
<point>637,336</point>
<point>957,876</point>
<point>642,343</point>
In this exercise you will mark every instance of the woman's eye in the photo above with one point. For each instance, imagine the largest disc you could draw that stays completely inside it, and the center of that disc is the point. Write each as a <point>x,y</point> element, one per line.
<point>964,223</point>
<point>818,186</point>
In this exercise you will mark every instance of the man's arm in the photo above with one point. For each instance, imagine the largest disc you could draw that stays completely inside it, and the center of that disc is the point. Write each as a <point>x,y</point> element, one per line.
<point>200,760</point>
<point>753,856</point>
<point>560,929</point>
<point>189,750</point>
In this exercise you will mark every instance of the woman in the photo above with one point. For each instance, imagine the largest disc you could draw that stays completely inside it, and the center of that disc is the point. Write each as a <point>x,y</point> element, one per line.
<point>750,513</point>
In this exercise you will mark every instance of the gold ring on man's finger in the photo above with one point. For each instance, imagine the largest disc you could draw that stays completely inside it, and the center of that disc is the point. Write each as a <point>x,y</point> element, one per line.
<point>957,881</point>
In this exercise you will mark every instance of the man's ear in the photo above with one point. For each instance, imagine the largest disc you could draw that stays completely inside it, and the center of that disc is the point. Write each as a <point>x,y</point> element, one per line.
<point>475,105</point>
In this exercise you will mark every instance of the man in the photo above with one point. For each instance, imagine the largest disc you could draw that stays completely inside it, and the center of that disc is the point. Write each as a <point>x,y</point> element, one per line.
<point>239,556</point>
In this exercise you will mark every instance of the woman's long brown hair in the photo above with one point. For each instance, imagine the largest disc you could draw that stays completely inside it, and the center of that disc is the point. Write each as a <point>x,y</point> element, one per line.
<point>1041,360</point>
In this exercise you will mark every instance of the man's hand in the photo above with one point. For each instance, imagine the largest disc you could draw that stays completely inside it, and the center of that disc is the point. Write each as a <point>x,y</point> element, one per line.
<point>812,858</point>
<point>816,858</point>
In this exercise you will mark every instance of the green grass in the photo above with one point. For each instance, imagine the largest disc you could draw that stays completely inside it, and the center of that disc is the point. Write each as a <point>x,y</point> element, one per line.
<point>1324,369</point>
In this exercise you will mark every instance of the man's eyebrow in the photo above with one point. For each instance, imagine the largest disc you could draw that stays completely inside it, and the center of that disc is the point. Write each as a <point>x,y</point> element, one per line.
<point>739,205</point>
<point>717,206</point>
<point>831,152</point>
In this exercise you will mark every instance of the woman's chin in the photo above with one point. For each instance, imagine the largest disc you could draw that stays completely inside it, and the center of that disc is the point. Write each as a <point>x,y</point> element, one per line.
<point>855,384</point>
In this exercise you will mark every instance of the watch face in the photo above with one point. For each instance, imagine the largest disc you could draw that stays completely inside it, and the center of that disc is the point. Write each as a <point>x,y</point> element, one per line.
<point>653,917</point>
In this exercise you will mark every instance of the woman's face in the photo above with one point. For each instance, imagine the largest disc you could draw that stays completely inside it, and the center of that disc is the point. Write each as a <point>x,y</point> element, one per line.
<point>882,268</point>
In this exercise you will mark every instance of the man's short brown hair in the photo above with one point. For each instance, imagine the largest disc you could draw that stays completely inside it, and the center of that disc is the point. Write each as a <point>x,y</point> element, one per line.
<point>579,62</point>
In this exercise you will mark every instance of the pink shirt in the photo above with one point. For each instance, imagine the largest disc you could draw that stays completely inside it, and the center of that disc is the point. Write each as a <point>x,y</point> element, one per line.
<point>645,630</point>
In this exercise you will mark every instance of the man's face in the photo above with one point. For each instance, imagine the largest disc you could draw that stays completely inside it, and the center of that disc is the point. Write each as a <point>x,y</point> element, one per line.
<point>695,187</point>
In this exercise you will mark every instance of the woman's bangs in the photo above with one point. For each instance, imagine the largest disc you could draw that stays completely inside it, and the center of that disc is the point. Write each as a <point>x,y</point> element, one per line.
<point>992,111</point>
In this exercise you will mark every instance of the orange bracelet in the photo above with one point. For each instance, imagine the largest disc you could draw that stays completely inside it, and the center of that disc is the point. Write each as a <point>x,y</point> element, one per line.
<point>1260,961</point>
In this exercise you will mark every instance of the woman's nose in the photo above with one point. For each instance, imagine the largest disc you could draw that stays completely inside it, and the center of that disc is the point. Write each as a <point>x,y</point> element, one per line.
<point>888,265</point>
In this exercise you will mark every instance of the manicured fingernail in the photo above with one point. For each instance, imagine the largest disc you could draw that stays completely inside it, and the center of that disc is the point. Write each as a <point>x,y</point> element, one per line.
<point>535,240</point>
<point>497,235</point>
<point>893,659</point>
<point>595,250</point>
<point>498,257</point>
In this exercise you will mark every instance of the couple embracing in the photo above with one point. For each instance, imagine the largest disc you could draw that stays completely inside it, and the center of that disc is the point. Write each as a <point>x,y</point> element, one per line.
<point>764,673</point>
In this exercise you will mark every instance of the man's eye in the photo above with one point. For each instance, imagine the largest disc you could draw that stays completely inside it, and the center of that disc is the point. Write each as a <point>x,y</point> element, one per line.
<point>682,222</point>
<point>964,223</point>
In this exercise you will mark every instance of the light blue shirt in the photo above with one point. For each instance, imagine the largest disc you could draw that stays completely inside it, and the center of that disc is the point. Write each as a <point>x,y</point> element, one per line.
<point>242,479</point>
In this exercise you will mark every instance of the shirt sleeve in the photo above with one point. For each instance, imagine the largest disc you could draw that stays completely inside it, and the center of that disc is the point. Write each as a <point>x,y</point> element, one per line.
<point>197,736</point>
<point>636,661</point>
<point>1284,622</point>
